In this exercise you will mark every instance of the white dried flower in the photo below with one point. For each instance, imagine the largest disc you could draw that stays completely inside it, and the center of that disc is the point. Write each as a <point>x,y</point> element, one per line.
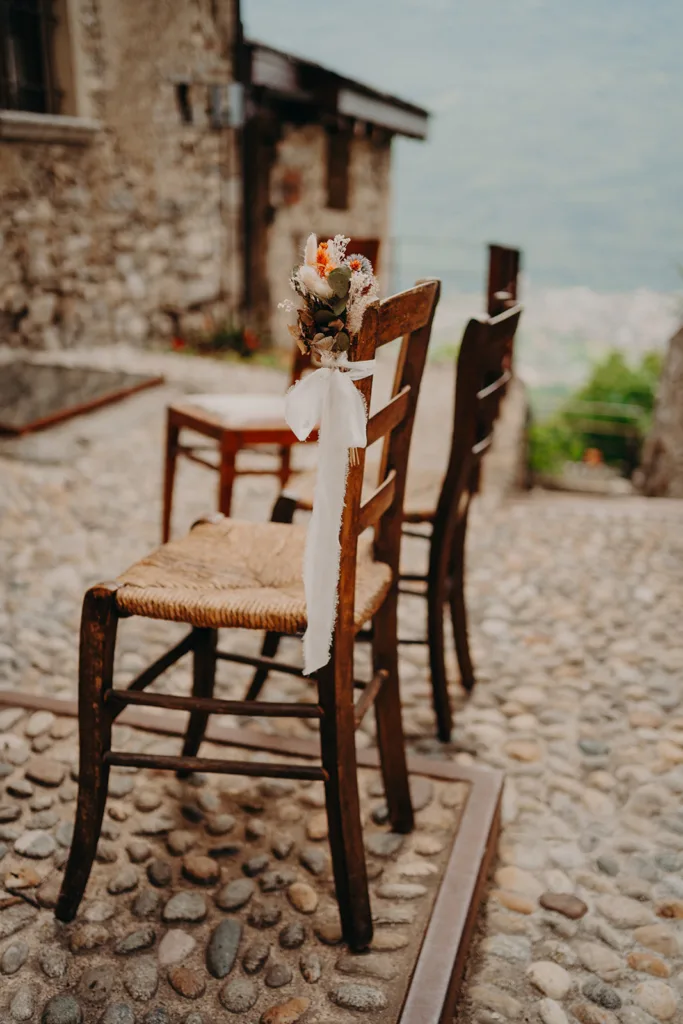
<point>362,292</point>
<point>337,248</point>
<point>310,250</point>
<point>311,280</point>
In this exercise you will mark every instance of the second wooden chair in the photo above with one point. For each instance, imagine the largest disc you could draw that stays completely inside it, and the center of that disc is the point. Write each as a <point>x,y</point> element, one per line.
<point>483,372</point>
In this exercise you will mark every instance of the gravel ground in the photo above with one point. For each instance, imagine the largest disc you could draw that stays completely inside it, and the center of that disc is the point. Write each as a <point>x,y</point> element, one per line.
<point>575,609</point>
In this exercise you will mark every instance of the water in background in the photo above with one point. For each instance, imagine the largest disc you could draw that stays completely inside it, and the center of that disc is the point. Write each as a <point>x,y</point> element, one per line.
<point>556,127</point>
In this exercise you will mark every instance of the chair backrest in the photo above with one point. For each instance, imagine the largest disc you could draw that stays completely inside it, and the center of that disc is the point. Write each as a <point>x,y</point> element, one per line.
<point>483,374</point>
<point>409,316</point>
<point>504,267</point>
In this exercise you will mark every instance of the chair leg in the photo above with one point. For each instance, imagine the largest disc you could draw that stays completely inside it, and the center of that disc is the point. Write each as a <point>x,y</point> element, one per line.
<point>271,642</point>
<point>172,432</point>
<point>337,743</point>
<point>390,738</point>
<point>437,584</point>
<point>458,606</point>
<point>203,680</point>
<point>227,473</point>
<point>285,464</point>
<point>283,512</point>
<point>98,640</point>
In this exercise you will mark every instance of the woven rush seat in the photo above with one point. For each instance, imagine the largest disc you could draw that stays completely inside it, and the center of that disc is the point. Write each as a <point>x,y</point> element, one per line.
<point>239,574</point>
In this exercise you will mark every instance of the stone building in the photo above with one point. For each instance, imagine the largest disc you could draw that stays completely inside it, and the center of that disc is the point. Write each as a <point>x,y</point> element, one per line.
<point>661,472</point>
<point>158,172</point>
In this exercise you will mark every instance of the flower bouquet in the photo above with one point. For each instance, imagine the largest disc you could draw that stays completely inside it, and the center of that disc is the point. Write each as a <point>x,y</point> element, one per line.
<point>335,290</point>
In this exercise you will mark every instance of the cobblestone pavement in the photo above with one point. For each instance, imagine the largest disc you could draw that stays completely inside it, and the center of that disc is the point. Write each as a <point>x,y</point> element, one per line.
<point>576,626</point>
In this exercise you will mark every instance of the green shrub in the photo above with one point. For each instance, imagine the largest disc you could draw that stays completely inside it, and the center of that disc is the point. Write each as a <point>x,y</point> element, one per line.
<point>611,412</point>
<point>613,380</point>
<point>551,444</point>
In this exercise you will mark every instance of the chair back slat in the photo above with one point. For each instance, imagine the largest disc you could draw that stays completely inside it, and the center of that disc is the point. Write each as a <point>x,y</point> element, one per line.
<point>389,416</point>
<point>403,314</point>
<point>497,352</point>
<point>372,510</point>
<point>504,268</point>
<point>488,402</point>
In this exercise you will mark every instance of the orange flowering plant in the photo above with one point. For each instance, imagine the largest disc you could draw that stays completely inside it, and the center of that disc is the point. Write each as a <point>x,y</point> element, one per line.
<point>334,291</point>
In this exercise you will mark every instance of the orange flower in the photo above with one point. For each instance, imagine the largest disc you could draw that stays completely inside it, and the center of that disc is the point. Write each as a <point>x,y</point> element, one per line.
<point>323,260</point>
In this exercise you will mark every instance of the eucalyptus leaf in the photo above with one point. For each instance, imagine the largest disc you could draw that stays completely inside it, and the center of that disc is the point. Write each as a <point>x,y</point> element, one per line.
<point>323,317</point>
<point>339,280</point>
<point>342,342</point>
<point>338,307</point>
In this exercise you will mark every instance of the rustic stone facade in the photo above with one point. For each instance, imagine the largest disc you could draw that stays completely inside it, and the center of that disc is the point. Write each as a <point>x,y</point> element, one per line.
<point>131,217</point>
<point>127,232</point>
<point>661,473</point>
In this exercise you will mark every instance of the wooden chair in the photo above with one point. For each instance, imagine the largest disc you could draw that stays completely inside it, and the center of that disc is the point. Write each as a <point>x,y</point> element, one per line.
<point>232,429</point>
<point>483,373</point>
<point>227,573</point>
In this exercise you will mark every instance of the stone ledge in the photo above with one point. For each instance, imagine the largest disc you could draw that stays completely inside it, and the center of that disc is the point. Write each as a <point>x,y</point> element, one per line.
<point>22,126</point>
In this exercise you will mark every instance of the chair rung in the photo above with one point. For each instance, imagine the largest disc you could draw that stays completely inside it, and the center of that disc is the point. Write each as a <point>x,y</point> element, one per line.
<point>258,769</point>
<point>481,446</point>
<point>416,534</point>
<point>411,592</point>
<point>214,706</point>
<point>260,662</point>
<point>412,640</point>
<point>413,577</point>
<point>368,695</point>
<point>189,453</point>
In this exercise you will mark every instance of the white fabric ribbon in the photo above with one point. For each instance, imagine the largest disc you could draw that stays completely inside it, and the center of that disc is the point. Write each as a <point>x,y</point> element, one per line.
<point>328,398</point>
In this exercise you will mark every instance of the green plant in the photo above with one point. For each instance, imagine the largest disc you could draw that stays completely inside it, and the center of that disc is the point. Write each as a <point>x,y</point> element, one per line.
<point>613,380</point>
<point>551,444</point>
<point>611,412</point>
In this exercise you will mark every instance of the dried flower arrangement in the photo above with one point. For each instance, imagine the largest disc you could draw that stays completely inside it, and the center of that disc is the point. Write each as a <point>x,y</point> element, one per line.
<point>336,289</point>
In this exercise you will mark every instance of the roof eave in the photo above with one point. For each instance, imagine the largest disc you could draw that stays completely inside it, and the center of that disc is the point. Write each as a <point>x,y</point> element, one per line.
<point>281,73</point>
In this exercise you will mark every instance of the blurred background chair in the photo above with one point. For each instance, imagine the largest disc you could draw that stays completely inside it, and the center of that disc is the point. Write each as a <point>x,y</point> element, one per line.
<point>436,507</point>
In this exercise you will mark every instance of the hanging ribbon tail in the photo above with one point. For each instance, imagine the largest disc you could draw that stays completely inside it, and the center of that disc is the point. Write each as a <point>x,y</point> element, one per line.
<point>327,398</point>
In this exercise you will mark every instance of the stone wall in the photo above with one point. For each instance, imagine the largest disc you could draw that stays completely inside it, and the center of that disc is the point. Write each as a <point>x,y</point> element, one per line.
<point>137,232</point>
<point>661,472</point>
<point>298,198</point>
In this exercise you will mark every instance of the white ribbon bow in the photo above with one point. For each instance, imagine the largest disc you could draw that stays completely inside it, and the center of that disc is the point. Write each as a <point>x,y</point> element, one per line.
<point>327,398</point>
